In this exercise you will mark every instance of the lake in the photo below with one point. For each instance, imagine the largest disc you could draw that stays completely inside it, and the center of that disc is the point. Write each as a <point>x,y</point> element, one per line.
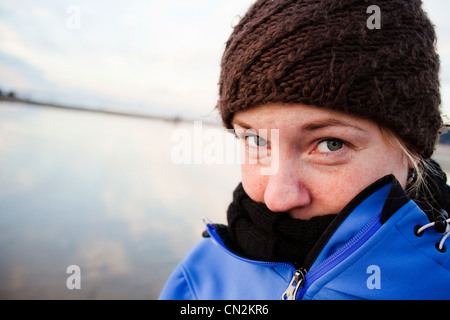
<point>100,192</point>
<point>107,194</point>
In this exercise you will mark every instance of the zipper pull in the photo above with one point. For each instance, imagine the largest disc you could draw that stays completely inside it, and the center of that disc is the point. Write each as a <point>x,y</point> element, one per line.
<point>296,283</point>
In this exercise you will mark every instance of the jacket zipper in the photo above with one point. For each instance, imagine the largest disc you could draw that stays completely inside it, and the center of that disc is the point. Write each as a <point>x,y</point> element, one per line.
<point>295,285</point>
<point>302,279</point>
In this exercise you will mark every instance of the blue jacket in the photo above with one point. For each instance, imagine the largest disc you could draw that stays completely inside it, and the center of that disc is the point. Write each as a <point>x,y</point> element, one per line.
<point>373,253</point>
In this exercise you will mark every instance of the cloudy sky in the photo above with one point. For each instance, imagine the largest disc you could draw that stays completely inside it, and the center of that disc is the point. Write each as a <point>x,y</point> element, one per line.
<point>140,55</point>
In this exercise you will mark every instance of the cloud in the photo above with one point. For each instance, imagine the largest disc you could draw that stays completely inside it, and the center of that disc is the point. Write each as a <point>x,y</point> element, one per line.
<point>152,53</point>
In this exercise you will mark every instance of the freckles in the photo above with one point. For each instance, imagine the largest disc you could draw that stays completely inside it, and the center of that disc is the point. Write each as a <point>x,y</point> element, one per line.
<point>253,182</point>
<point>379,166</point>
<point>339,188</point>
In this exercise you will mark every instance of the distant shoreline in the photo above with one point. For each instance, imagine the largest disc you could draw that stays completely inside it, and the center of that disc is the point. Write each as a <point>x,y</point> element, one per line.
<point>172,119</point>
<point>442,156</point>
<point>11,97</point>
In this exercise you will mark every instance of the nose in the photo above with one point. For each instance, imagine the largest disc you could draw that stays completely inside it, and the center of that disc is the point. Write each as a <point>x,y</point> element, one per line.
<point>286,190</point>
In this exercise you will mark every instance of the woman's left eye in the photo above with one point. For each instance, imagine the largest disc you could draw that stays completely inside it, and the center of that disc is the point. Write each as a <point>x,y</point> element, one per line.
<point>330,145</point>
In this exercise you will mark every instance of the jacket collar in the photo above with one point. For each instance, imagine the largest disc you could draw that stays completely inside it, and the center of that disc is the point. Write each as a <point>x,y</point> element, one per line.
<point>385,195</point>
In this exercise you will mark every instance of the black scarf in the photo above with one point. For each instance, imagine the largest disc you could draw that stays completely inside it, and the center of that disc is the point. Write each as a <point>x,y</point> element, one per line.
<point>260,234</point>
<point>257,233</point>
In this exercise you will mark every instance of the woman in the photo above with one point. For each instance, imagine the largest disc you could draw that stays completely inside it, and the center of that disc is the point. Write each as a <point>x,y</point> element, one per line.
<point>348,118</point>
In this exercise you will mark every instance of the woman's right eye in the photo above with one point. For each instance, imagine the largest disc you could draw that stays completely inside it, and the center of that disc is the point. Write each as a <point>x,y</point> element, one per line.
<point>256,141</point>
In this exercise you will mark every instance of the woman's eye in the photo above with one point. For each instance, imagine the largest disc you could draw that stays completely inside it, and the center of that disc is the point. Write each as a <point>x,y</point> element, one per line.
<point>330,145</point>
<point>256,141</point>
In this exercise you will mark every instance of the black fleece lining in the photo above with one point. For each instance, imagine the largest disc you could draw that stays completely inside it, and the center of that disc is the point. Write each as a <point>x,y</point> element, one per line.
<point>396,199</point>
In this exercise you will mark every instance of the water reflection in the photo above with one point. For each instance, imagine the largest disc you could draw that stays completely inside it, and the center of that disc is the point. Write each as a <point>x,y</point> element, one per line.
<point>103,193</point>
<point>100,192</point>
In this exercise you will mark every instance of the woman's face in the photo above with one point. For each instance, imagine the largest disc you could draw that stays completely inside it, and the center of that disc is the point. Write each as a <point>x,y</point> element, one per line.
<point>320,159</point>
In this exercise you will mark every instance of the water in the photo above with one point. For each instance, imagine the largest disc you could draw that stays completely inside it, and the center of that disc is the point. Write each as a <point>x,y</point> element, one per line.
<point>101,192</point>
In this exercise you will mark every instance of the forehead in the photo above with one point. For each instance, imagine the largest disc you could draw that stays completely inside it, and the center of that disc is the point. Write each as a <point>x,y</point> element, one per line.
<point>298,115</point>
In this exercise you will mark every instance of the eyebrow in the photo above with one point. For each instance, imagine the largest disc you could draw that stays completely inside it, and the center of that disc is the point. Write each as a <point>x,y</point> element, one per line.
<point>314,125</point>
<point>241,124</point>
<point>330,122</point>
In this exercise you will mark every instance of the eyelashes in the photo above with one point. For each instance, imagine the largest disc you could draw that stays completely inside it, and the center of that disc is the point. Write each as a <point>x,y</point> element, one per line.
<point>330,145</point>
<point>324,146</point>
<point>256,141</point>
<point>322,150</point>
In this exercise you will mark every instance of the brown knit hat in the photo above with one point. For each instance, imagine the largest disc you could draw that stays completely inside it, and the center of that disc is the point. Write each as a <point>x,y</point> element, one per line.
<point>322,53</point>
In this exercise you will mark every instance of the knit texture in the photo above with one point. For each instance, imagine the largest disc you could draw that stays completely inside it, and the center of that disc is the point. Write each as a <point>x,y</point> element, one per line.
<point>321,53</point>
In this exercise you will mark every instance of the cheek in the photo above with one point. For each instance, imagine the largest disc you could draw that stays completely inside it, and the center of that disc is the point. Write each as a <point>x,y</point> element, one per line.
<point>389,161</point>
<point>334,190</point>
<point>253,182</point>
